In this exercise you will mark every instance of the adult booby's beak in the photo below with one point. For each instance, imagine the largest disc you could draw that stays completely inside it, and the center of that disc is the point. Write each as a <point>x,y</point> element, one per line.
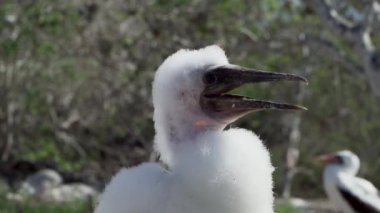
<point>219,80</point>
<point>330,158</point>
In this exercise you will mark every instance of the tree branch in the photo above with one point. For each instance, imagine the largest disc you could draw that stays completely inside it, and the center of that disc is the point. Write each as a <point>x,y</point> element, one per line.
<point>334,19</point>
<point>358,34</point>
<point>338,54</point>
<point>371,11</point>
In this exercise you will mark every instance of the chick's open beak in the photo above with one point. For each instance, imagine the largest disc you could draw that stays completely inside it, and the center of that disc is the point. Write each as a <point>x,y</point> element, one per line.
<point>222,79</point>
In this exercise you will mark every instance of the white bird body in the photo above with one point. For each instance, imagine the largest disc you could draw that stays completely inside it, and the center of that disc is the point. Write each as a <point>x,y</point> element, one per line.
<point>349,193</point>
<point>210,169</point>
<point>210,177</point>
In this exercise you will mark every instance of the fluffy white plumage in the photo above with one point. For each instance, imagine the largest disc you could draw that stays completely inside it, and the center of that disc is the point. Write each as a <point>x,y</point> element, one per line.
<point>360,194</point>
<point>210,169</point>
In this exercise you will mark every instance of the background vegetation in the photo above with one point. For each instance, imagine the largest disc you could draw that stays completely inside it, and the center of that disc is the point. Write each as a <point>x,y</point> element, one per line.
<point>75,80</point>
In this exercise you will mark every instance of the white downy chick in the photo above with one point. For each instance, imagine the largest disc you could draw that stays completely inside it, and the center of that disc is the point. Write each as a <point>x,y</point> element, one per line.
<point>210,169</point>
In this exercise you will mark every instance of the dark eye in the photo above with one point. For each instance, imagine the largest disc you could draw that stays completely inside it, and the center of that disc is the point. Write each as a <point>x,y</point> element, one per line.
<point>339,160</point>
<point>209,78</point>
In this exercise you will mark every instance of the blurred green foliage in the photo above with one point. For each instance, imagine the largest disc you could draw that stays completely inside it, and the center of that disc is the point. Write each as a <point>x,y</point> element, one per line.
<point>285,208</point>
<point>38,207</point>
<point>76,207</point>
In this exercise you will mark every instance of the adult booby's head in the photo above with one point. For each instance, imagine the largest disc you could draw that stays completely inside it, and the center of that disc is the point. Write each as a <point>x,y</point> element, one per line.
<point>346,191</point>
<point>344,160</point>
<point>190,94</point>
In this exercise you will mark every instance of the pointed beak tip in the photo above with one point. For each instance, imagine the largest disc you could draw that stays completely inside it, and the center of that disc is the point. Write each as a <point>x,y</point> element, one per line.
<point>303,79</point>
<point>298,107</point>
<point>322,157</point>
<point>319,158</point>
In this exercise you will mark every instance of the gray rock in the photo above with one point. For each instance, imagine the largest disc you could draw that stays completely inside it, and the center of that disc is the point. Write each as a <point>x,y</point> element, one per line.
<point>46,186</point>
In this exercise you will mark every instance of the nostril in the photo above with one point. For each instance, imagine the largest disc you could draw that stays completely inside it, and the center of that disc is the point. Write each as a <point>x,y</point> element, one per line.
<point>209,78</point>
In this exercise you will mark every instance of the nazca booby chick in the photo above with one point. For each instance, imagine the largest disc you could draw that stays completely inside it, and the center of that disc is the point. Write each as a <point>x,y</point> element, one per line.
<point>210,169</point>
<point>347,192</point>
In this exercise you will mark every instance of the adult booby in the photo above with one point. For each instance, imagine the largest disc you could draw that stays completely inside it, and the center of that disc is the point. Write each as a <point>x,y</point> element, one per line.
<point>210,169</point>
<point>349,193</point>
